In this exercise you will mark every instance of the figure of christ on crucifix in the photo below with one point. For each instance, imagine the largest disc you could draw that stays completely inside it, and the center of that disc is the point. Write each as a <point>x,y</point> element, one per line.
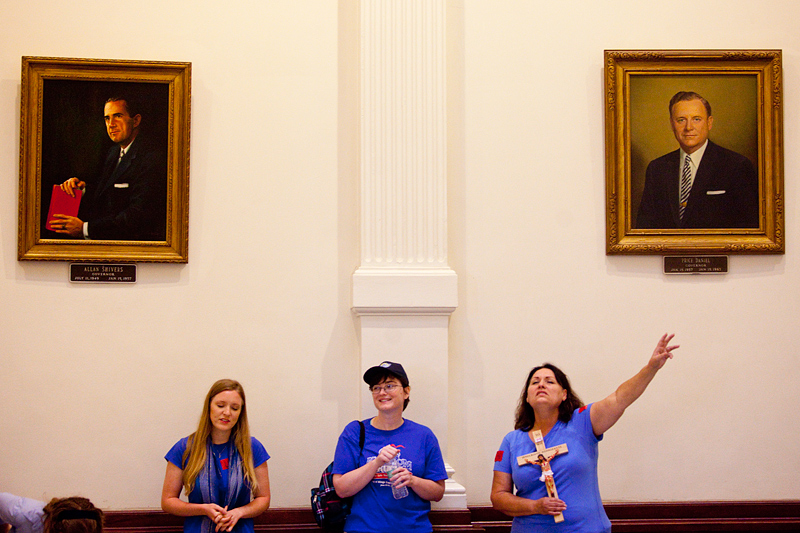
<point>542,457</point>
<point>549,405</point>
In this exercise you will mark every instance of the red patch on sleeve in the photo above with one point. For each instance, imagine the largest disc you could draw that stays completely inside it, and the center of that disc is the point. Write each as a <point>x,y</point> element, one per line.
<point>582,409</point>
<point>498,456</point>
<point>224,463</point>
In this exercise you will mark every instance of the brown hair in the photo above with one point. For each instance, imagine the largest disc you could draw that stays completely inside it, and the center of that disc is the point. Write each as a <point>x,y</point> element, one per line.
<point>525,417</point>
<point>131,104</point>
<point>72,515</point>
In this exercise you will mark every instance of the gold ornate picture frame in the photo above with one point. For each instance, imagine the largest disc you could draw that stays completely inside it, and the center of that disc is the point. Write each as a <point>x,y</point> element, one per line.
<point>63,134</point>
<point>743,89</point>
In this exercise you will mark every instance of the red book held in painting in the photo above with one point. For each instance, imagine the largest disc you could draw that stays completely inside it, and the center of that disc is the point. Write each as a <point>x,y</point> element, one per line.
<point>62,203</point>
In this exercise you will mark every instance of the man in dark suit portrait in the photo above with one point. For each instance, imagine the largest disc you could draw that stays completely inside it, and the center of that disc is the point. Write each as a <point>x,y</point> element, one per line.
<point>129,200</point>
<point>700,185</point>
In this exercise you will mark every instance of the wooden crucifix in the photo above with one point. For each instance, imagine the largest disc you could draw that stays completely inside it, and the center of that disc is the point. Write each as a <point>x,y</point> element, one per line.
<point>542,457</point>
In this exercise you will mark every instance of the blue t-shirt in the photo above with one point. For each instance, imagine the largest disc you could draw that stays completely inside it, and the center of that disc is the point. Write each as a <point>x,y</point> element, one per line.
<point>574,472</point>
<point>192,524</point>
<point>374,507</point>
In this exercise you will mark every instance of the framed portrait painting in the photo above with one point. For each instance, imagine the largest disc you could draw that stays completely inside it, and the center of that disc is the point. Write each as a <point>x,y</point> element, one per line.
<point>694,152</point>
<point>104,160</point>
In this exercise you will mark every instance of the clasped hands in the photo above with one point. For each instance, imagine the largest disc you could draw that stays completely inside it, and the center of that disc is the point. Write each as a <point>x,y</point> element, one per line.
<point>224,519</point>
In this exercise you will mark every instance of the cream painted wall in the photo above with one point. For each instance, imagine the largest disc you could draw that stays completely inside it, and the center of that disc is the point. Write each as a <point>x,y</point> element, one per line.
<point>103,380</point>
<point>98,382</point>
<point>527,240</point>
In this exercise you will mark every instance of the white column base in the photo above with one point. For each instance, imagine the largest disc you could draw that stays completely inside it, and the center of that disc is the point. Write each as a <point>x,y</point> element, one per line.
<point>455,495</point>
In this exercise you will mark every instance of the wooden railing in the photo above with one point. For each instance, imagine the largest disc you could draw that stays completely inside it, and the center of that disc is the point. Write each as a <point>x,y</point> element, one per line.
<point>630,517</point>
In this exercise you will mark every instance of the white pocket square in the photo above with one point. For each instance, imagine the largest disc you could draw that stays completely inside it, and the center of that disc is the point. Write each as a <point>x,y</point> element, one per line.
<point>710,193</point>
<point>125,186</point>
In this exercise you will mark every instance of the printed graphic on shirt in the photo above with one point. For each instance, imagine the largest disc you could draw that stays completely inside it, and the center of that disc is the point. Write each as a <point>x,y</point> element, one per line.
<point>498,456</point>
<point>224,463</point>
<point>382,475</point>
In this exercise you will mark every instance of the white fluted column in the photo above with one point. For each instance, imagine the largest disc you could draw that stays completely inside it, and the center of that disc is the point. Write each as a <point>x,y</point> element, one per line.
<point>404,291</point>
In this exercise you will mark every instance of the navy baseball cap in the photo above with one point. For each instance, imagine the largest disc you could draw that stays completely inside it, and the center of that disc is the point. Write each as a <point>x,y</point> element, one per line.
<point>387,367</point>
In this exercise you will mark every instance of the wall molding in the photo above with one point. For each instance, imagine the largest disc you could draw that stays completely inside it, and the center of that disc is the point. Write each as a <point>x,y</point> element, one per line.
<point>626,517</point>
<point>403,134</point>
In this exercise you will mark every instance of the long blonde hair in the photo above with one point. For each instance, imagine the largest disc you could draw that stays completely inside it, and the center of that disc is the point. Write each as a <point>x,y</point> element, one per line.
<point>194,458</point>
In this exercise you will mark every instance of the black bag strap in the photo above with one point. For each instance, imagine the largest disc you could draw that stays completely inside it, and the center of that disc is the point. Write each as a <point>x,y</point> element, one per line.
<point>361,437</point>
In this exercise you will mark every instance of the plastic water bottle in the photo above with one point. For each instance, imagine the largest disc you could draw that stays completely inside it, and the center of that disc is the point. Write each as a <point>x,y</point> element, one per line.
<point>400,492</point>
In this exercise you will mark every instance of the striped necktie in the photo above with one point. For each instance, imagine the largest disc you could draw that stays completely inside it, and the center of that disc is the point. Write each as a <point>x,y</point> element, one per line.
<point>686,184</point>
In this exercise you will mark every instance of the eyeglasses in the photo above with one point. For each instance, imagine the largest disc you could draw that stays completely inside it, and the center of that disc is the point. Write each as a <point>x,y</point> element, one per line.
<point>389,388</point>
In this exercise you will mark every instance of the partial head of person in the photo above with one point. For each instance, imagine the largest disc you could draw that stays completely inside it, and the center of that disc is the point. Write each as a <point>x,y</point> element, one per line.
<point>72,515</point>
<point>690,119</point>
<point>545,384</point>
<point>386,381</point>
<point>122,119</point>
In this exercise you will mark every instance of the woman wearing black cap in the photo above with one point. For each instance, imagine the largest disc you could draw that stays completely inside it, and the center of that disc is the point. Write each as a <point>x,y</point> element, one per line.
<point>395,448</point>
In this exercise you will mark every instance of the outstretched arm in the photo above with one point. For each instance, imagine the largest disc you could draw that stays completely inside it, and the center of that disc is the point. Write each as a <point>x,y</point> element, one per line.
<point>606,412</point>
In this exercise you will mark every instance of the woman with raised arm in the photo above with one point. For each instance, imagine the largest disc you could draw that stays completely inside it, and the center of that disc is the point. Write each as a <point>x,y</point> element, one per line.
<point>549,405</point>
<point>221,468</point>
